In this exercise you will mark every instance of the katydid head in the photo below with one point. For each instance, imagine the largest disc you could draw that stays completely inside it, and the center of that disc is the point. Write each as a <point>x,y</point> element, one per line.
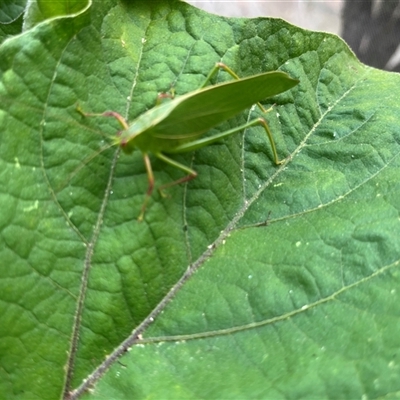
<point>140,132</point>
<point>126,138</point>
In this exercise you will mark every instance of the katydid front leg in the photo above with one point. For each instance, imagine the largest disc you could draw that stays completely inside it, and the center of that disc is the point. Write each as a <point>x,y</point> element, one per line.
<point>191,174</point>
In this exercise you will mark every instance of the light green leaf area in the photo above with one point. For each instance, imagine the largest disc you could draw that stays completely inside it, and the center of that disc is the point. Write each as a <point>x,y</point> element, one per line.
<point>40,10</point>
<point>284,280</point>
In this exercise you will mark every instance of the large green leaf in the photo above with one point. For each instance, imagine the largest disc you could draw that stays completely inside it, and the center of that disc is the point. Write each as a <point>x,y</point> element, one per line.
<point>295,292</point>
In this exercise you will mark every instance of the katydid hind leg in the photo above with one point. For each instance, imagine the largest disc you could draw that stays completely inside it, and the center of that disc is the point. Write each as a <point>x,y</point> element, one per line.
<point>264,124</point>
<point>198,144</point>
<point>218,66</point>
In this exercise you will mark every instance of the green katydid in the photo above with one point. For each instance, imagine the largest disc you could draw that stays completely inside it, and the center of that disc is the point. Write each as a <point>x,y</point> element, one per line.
<point>175,126</point>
